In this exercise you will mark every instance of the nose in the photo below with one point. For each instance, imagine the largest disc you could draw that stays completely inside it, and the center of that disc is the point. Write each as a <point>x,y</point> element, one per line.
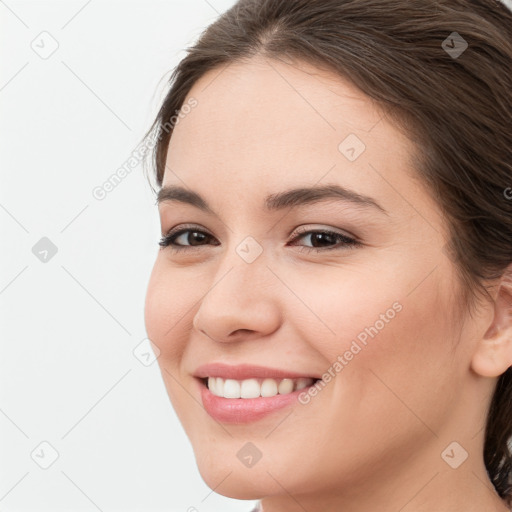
<point>242,301</point>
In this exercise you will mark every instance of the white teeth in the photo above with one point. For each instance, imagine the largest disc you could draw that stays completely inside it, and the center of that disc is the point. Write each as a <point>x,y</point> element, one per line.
<point>285,386</point>
<point>231,388</point>
<point>219,386</point>
<point>250,389</point>
<point>212,385</point>
<point>268,388</point>
<point>254,388</point>
<point>302,383</point>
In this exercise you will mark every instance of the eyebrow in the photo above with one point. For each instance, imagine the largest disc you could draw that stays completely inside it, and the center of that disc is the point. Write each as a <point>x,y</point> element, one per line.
<point>278,201</point>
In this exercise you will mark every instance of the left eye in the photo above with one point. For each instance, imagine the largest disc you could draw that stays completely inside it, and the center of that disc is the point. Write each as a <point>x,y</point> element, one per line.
<point>327,237</point>
<point>196,238</point>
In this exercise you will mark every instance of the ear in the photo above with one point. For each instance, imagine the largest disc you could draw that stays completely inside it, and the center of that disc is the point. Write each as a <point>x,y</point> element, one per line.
<point>493,355</point>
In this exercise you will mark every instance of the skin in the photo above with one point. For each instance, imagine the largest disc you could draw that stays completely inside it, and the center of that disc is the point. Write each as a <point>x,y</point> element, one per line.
<point>373,438</point>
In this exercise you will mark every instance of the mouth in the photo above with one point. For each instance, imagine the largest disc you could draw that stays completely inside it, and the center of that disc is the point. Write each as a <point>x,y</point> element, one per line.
<point>255,387</point>
<point>245,393</point>
<point>237,402</point>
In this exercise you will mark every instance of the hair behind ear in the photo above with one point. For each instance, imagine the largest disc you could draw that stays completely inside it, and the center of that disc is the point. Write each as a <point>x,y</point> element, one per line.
<point>498,438</point>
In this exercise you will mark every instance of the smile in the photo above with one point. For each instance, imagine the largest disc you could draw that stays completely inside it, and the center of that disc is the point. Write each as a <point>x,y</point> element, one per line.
<point>245,393</point>
<point>254,405</point>
<point>254,387</point>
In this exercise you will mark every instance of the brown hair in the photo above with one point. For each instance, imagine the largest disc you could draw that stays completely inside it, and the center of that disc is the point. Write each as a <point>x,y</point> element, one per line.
<point>456,107</point>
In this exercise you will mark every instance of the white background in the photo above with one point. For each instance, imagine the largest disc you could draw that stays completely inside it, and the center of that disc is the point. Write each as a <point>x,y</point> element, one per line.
<point>69,326</point>
<point>68,375</point>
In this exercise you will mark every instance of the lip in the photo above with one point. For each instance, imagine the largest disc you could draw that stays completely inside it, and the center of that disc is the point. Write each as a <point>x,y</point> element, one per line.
<point>244,410</point>
<point>246,371</point>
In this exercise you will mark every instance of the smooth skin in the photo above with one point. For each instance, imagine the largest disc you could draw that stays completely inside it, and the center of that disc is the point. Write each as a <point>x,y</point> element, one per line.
<point>375,437</point>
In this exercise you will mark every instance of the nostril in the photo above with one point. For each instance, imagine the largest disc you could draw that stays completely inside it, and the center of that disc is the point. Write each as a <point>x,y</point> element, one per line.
<point>240,332</point>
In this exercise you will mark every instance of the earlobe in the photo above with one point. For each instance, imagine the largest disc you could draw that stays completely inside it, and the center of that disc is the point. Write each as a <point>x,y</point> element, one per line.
<point>493,354</point>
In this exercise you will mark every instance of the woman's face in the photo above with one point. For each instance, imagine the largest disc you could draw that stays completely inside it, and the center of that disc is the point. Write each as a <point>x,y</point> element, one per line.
<point>256,288</point>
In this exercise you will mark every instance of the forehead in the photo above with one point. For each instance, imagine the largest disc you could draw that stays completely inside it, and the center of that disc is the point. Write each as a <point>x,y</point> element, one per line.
<point>265,101</point>
<point>264,124</point>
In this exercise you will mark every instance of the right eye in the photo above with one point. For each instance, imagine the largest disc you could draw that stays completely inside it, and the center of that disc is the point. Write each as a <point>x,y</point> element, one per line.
<point>190,238</point>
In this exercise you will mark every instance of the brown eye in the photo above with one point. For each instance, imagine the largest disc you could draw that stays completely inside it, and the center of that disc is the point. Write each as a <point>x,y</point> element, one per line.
<point>184,238</point>
<point>321,240</point>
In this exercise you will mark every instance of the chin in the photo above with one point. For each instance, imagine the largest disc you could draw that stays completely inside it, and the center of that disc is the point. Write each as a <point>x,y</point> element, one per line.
<point>236,481</point>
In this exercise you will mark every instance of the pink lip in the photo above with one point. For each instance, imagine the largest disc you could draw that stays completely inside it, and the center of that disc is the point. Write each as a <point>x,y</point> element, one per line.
<point>244,410</point>
<point>246,371</point>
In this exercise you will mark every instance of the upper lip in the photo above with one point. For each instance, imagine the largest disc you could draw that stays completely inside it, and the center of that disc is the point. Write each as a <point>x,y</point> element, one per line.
<point>246,371</point>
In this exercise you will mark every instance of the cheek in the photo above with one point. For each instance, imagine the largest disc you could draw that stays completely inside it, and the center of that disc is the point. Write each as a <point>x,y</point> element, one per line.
<point>383,311</point>
<point>387,348</point>
<point>165,311</point>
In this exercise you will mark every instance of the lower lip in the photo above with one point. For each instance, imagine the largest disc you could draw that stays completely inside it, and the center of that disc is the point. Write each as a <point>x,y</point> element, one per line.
<point>244,410</point>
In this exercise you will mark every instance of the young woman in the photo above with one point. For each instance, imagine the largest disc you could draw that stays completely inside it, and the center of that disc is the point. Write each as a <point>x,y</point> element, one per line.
<point>332,299</point>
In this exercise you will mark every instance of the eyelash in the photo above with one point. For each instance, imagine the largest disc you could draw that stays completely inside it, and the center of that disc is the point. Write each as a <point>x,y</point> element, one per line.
<point>168,240</point>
